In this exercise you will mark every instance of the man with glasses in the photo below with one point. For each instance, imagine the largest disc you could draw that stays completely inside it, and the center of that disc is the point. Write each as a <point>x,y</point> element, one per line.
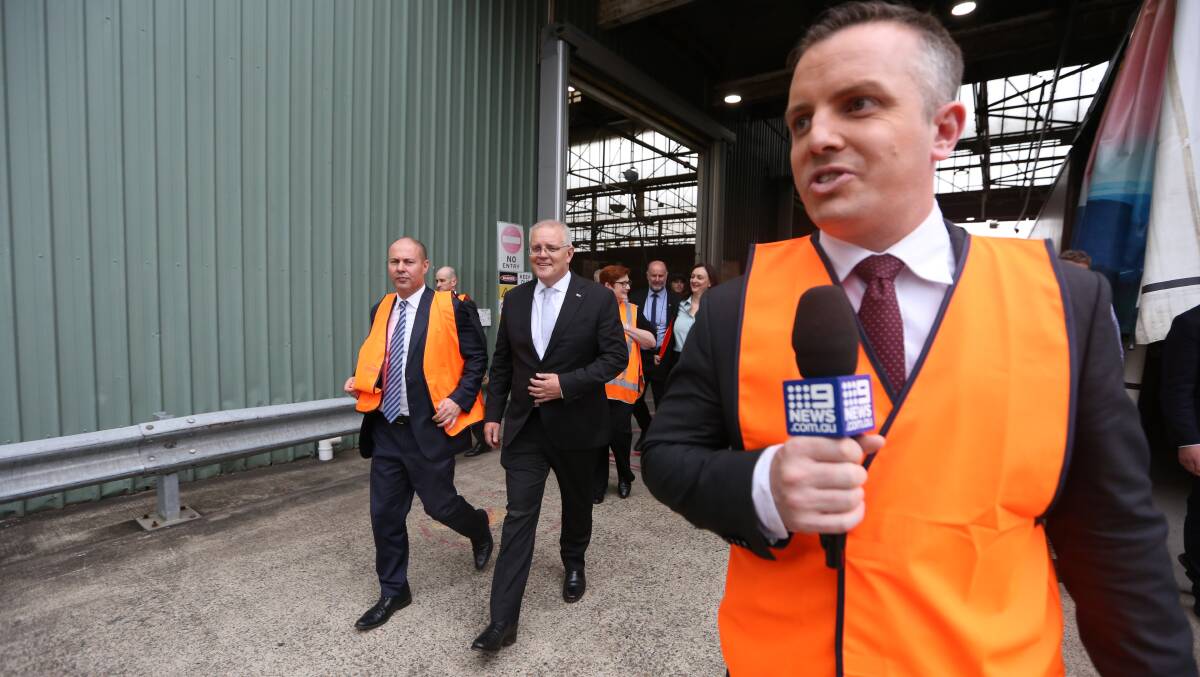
<point>558,344</point>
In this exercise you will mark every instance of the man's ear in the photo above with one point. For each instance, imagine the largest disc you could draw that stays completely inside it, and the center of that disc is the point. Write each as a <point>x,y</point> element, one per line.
<point>948,124</point>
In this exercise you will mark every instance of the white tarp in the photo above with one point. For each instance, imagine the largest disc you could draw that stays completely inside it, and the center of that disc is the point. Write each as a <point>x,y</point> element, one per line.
<point>1171,279</point>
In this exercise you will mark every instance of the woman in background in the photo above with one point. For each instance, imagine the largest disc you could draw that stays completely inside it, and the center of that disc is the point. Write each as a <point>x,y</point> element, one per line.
<point>623,390</point>
<point>703,278</point>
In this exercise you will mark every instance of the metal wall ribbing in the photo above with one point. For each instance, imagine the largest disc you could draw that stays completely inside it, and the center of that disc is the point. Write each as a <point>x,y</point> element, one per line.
<point>196,197</point>
<point>757,172</point>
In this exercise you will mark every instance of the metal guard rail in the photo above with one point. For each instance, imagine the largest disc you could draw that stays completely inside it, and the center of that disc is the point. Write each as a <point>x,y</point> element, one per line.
<point>164,447</point>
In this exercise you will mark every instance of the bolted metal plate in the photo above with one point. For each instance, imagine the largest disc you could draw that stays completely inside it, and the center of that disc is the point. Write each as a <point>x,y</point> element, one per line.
<point>153,521</point>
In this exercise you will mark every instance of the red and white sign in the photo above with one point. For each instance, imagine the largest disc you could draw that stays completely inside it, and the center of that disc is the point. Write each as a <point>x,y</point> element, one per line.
<point>510,247</point>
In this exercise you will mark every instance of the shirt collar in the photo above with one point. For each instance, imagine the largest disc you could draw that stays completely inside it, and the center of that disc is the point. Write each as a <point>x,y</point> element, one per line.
<point>413,300</point>
<point>925,251</point>
<point>561,285</point>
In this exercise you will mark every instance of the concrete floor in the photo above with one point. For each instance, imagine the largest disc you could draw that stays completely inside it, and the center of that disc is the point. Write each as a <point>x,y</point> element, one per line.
<point>272,578</point>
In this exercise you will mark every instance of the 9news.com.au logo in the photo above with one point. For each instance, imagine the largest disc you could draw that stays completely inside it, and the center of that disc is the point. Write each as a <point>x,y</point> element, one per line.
<point>829,407</point>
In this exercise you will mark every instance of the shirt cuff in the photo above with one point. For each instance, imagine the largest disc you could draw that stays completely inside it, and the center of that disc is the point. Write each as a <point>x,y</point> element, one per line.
<point>769,520</point>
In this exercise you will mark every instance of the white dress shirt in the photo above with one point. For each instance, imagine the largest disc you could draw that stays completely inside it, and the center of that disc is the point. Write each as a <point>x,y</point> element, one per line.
<point>556,301</point>
<point>920,289</point>
<point>660,327</point>
<point>409,306</point>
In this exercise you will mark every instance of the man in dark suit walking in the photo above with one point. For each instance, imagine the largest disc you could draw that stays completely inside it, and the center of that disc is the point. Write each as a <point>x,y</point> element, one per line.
<point>996,381</point>
<point>417,382</point>
<point>560,340</point>
<point>658,305</point>
<point>1181,407</point>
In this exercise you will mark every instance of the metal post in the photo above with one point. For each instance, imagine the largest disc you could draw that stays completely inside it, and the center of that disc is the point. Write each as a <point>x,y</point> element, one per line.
<point>167,509</point>
<point>168,496</point>
<point>552,131</point>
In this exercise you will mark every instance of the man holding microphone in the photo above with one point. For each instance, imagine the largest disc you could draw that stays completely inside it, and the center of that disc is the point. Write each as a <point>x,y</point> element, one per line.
<point>996,384</point>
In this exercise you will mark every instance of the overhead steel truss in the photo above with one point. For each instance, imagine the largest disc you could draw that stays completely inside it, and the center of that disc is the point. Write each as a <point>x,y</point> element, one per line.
<point>1019,133</point>
<point>628,186</point>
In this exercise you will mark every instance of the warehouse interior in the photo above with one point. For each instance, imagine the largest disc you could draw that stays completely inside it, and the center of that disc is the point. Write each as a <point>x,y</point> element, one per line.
<point>1033,71</point>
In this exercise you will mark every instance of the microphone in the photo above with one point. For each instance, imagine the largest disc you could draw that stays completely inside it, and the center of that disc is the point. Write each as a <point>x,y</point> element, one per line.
<point>829,400</point>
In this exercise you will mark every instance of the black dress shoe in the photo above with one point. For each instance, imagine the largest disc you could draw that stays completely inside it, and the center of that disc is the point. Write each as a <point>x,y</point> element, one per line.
<point>475,451</point>
<point>623,489</point>
<point>574,585</point>
<point>383,610</point>
<point>482,548</point>
<point>598,497</point>
<point>497,635</point>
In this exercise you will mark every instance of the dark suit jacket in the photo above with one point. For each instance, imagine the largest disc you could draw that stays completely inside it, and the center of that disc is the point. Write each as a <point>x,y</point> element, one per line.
<point>434,441</point>
<point>639,297</point>
<point>1109,539</point>
<point>1181,378</point>
<point>586,350</point>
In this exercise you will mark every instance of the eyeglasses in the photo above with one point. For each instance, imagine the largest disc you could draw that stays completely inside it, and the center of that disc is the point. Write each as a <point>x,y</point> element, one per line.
<point>623,283</point>
<point>547,249</point>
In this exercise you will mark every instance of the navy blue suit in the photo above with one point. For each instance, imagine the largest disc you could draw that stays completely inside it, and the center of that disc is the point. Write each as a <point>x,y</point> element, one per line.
<point>414,455</point>
<point>1181,405</point>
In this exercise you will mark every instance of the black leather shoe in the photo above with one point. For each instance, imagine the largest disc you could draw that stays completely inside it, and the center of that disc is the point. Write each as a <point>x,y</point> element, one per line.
<point>477,450</point>
<point>574,585</point>
<point>482,549</point>
<point>623,489</point>
<point>497,635</point>
<point>383,610</point>
<point>598,498</point>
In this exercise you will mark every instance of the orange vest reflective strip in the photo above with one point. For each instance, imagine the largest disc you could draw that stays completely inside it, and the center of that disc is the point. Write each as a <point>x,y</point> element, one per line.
<point>627,386</point>
<point>443,364</point>
<point>949,573</point>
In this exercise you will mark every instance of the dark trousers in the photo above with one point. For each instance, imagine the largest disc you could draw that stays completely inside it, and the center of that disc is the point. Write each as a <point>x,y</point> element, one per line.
<point>1191,526</point>
<point>622,438</point>
<point>656,378</point>
<point>476,430</point>
<point>527,461</point>
<point>398,470</point>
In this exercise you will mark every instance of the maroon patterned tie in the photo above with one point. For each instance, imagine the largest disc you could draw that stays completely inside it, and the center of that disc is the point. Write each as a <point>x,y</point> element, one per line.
<point>880,313</point>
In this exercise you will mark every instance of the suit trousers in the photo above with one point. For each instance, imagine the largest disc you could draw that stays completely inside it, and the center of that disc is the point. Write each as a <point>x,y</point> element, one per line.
<point>656,380</point>
<point>622,437</point>
<point>1191,525</point>
<point>527,461</point>
<point>398,470</point>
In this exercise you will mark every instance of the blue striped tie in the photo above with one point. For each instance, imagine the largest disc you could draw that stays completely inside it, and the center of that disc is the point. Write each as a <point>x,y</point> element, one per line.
<point>393,387</point>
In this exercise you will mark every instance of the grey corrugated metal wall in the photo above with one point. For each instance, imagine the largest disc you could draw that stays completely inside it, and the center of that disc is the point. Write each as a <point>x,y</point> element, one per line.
<point>196,197</point>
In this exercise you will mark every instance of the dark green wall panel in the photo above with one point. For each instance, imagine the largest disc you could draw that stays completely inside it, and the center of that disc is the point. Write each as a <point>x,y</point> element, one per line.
<point>196,196</point>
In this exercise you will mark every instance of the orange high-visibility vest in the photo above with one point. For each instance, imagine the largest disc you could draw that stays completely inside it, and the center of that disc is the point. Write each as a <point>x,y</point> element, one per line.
<point>443,364</point>
<point>949,573</point>
<point>628,385</point>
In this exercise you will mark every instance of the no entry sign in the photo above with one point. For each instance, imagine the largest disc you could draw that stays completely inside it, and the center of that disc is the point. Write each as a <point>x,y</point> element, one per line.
<point>510,247</point>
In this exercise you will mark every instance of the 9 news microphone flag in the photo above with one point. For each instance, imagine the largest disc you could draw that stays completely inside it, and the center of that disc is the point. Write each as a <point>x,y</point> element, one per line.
<point>830,400</point>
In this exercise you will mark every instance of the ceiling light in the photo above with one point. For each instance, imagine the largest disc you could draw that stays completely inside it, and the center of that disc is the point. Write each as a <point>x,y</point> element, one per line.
<point>962,8</point>
<point>970,218</point>
<point>570,88</point>
<point>733,98</point>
